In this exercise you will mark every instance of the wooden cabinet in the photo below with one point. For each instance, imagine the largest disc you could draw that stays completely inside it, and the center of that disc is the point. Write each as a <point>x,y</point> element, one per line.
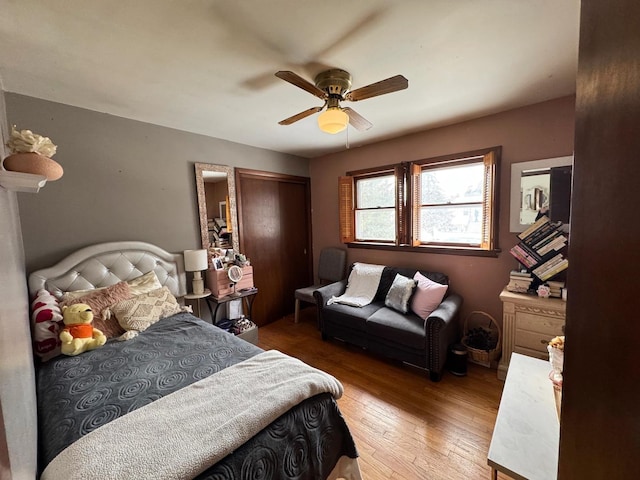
<point>528,323</point>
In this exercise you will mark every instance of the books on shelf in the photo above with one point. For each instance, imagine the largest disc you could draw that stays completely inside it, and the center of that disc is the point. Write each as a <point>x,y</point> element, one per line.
<point>555,244</point>
<point>218,233</point>
<point>540,249</point>
<point>554,270</point>
<point>532,228</point>
<point>555,288</point>
<point>522,257</point>
<point>543,267</point>
<point>519,282</point>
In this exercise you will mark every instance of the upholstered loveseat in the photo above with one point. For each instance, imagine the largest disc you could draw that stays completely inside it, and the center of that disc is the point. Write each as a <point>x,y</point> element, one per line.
<point>378,328</point>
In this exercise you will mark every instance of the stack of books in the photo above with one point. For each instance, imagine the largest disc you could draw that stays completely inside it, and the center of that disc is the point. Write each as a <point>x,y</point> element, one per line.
<point>519,282</point>
<point>539,249</point>
<point>556,288</point>
<point>218,233</point>
<point>551,267</point>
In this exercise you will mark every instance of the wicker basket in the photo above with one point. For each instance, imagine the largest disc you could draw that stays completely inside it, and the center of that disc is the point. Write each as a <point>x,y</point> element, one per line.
<point>482,357</point>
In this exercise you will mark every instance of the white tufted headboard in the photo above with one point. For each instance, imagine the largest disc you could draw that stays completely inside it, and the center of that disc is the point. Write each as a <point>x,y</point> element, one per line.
<point>106,264</point>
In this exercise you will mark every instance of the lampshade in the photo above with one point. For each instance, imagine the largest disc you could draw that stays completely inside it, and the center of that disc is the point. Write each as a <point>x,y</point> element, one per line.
<point>195,260</point>
<point>333,120</point>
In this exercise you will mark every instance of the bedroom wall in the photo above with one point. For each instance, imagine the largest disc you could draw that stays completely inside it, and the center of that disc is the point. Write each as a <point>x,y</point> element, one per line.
<point>17,380</point>
<point>123,180</point>
<point>538,131</point>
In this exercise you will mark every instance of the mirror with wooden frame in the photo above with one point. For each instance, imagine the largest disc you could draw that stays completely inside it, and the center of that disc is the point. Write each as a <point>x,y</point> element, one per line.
<point>540,186</point>
<point>216,189</point>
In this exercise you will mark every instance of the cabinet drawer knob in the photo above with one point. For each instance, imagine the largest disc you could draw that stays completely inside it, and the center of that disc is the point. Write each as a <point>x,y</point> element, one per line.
<point>544,342</point>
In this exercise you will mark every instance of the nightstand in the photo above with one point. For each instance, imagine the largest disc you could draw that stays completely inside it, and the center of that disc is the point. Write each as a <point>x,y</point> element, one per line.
<point>198,297</point>
<point>247,296</point>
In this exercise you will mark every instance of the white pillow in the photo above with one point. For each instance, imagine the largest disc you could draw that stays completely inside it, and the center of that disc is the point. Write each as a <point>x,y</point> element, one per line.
<point>144,284</point>
<point>139,285</point>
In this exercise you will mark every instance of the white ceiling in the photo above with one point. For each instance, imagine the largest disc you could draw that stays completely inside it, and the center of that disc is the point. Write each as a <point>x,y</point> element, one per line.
<point>207,66</point>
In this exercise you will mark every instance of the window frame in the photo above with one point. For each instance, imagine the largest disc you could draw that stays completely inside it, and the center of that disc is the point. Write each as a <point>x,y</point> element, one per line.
<point>376,174</point>
<point>407,176</point>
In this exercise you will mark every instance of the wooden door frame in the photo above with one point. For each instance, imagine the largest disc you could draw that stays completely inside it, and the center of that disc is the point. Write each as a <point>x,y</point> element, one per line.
<point>241,173</point>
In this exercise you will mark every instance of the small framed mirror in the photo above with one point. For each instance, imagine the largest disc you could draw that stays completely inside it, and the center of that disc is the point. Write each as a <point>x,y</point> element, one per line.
<point>216,189</point>
<point>540,187</point>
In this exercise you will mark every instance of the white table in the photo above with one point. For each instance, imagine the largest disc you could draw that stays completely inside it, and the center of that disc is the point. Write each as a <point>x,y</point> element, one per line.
<point>197,297</point>
<point>526,436</point>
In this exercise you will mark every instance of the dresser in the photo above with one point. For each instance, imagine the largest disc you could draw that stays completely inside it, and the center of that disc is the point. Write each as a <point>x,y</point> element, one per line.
<point>528,323</point>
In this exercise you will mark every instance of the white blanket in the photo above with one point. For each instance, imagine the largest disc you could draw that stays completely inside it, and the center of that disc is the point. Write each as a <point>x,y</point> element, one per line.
<point>181,435</point>
<point>361,287</point>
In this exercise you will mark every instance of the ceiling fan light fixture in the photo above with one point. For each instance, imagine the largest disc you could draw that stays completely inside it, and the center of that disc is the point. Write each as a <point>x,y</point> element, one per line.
<point>333,120</point>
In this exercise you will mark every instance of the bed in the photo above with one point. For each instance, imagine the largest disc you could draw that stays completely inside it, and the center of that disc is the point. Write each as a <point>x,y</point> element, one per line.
<point>182,399</point>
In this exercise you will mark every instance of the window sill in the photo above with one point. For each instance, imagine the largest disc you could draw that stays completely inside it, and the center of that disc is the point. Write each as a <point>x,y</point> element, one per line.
<point>468,251</point>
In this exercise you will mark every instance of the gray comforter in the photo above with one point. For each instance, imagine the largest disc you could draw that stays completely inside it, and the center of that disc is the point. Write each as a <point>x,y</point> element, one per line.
<point>77,395</point>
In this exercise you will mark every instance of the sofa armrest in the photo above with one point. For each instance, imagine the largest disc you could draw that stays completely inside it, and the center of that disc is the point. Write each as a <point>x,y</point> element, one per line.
<point>442,329</point>
<point>447,311</point>
<point>323,294</point>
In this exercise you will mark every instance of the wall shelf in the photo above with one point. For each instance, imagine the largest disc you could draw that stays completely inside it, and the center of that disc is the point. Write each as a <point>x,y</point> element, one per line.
<point>22,182</point>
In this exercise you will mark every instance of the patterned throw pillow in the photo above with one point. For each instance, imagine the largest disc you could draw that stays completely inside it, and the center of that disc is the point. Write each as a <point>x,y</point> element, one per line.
<point>46,321</point>
<point>400,293</point>
<point>99,300</point>
<point>140,312</point>
<point>428,296</point>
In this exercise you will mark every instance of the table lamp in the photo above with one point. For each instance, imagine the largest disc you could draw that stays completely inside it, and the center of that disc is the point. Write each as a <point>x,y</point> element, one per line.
<point>195,261</point>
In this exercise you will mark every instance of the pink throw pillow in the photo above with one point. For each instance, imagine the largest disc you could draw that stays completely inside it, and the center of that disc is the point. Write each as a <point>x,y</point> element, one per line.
<point>100,300</point>
<point>427,297</point>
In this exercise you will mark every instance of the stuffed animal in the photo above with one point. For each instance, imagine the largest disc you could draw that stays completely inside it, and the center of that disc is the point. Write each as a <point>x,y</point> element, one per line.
<point>78,335</point>
<point>46,318</point>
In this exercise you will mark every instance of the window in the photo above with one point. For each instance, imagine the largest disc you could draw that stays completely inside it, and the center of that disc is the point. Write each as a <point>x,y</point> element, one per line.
<point>375,208</point>
<point>452,203</point>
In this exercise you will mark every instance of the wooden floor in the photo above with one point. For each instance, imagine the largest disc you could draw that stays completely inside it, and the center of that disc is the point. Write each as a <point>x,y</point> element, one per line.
<point>404,425</point>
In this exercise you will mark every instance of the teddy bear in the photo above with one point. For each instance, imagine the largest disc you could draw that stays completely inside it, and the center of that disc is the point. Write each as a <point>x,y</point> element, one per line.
<point>78,335</point>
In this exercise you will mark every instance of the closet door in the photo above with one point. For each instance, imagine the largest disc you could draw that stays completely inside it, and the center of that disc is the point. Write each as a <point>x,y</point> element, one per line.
<point>274,218</point>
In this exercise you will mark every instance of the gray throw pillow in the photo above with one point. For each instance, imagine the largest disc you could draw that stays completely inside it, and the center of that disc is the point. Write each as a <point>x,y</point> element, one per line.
<point>400,293</point>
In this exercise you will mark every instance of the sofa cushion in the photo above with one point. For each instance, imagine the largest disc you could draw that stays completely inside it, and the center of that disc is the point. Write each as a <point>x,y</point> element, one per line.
<point>400,293</point>
<point>387,278</point>
<point>350,317</point>
<point>394,326</point>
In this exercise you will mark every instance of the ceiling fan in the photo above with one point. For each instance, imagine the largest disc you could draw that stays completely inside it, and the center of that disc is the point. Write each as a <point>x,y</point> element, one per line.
<point>334,86</point>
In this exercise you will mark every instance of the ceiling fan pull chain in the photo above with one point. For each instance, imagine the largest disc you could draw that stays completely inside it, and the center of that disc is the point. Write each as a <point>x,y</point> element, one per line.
<point>347,145</point>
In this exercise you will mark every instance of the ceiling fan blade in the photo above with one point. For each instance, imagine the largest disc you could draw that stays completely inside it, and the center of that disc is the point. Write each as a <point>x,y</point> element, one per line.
<point>382,87</point>
<point>357,120</point>
<point>300,116</point>
<point>300,82</point>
